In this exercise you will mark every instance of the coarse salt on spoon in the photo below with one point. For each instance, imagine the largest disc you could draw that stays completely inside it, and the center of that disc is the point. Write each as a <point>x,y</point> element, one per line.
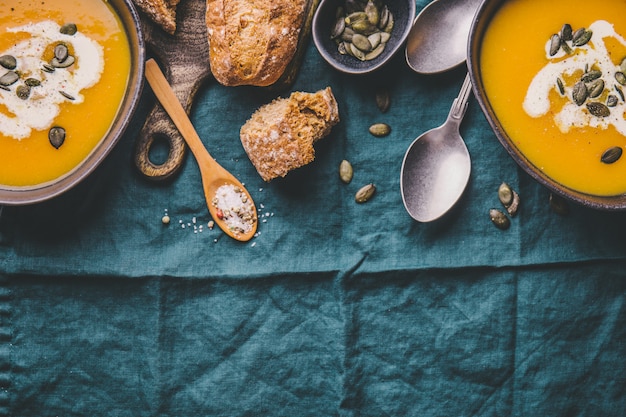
<point>220,186</point>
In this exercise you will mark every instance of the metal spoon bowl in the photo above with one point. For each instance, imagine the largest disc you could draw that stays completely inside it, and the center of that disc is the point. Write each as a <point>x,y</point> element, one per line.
<point>436,167</point>
<point>437,41</point>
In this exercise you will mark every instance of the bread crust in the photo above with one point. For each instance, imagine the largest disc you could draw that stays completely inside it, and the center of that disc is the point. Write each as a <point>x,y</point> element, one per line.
<point>279,136</point>
<point>251,42</point>
<point>161,12</point>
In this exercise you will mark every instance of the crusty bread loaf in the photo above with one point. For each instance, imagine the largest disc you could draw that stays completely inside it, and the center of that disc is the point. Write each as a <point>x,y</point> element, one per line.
<point>161,12</point>
<point>279,136</point>
<point>251,42</point>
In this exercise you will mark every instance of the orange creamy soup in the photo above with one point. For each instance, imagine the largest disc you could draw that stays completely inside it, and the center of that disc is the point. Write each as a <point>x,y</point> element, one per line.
<point>561,100</point>
<point>70,82</point>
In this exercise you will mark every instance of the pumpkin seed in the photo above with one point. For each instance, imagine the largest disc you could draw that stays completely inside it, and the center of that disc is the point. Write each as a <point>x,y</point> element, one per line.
<point>622,65</point>
<point>66,62</point>
<point>505,194</point>
<point>361,42</point>
<point>598,109</point>
<point>620,77</point>
<point>566,32</point>
<point>380,129</point>
<point>560,86</point>
<point>555,44</point>
<point>579,93</point>
<point>390,23</point>
<point>48,68</point>
<point>23,91</point>
<point>514,205</point>
<point>581,37</point>
<point>499,219</point>
<point>372,12</point>
<point>592,75</point>
<point>611,100</point>
<point>8,61</point>
<point>365,193</point>
<point>374,39</point>
<point>566,47</point>
<point>4,88</point>
<point>66,95</point>
<point>356,52</point>
<point>338,29</point>
<point>69,29</point>
<point>375,53</point>
<point>384,17</point>
<point>559,205</point>
<point>611,155</point>
<point>9,78</point>
<point>341,48</point>
<point>61,52</point>
<point>620,92</point>
<point>56,136</point>
<point>383,99</point>
<point>595,88</point>
<point>32,82</point>
<point>346,171</point>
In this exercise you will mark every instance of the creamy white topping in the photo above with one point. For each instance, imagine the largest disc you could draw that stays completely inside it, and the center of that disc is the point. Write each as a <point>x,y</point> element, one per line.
<point>42,107</point>
<point>537,102</point>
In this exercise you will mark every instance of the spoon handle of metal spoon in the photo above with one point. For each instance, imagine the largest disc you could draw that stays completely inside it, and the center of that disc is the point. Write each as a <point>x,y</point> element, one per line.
<point>459,106</point>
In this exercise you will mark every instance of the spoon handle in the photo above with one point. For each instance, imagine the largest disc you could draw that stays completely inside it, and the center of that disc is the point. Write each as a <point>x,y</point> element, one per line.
<point>459,106</point>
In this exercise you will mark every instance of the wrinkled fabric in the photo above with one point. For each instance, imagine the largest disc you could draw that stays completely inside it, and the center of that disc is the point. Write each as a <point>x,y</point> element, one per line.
<point>335,308</point>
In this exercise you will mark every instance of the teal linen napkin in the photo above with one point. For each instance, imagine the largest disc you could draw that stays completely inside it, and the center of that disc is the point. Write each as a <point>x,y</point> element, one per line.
<point>335,308</point>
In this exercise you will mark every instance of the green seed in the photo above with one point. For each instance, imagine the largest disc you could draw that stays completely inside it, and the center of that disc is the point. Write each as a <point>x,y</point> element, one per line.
<point>598,109</point>
<point>505,194</point>
<point>380,129</point>
<point>23,91</point>
<point>611,155</point>
<point>566,32</point>
<point>56,136</point>
<point>581,37</point>
<point>595,88</point>
<point>611,101</point>
<point>9,78</point>
<point>499,219</point>
<point>365,193</point>
<point>591,75</point>
<point>68,29</point>
<point>555,44</point>
<point>620,77</point>
<point>579,93</point>
<point>560,86</point>
<point>8,61</point>
<point>345,171</point>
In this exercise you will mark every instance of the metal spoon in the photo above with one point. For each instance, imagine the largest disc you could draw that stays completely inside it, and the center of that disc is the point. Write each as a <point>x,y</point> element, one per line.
<point>213,174</point>
<point>437,41</point>
<point>436,167</point>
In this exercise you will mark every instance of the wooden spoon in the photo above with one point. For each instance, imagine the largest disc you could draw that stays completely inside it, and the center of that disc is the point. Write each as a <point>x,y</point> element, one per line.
<point>213,174</point>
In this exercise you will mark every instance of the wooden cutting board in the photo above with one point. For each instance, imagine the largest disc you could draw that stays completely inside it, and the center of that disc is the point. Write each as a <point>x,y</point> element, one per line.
<point>184,58</point>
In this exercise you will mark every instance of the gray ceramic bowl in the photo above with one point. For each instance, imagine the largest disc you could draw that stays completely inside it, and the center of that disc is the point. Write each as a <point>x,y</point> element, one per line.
<point>479,26</point>
<point>35,194</point>
<point>403,12</point>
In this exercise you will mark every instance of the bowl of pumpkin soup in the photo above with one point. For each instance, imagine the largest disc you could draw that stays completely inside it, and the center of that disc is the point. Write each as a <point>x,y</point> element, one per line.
<point>71,75</point>
<point>550,76</point>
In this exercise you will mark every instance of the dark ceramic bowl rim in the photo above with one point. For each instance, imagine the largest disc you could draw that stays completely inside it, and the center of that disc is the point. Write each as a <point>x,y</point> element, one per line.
<point>29,195</point>
<point>328,50</point>
<point>479,25</point>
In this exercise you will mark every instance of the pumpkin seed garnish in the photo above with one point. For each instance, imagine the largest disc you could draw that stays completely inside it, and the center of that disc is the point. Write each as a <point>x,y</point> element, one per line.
<point>566,32</point>
<point>2,87</point>
<point>48,68</point>
<point>67,96</point>
<point>622,65</point>
<point>8,61</point>
<point>620,92</point>
<point>611,100</point>
<point>69,29</point>
<point>595,88</point>
<point>512,208</point>
<point>66,62</point>
<point>61,52</point>
<point>592,75</point>
<point>581,37</point>
<point>23,91</point>
<point>611,155</point>
<point>620,77</point>
<point>499,219</point>
<point>560,86</point>
<point>365,193</point>
<point>559,205</point>
<point>32,82</point>
<point>555,44</point>
<point>9,78</point>
<point>579,93</point>
<point>380,129</point>
<point>56,136</point>
<point>345,171</point>
<point>598,109</point>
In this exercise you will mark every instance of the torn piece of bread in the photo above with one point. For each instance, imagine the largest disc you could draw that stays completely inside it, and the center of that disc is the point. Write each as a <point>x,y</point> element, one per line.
<point>251,42</point>
<point>161,12</point>
<point>279,136</point>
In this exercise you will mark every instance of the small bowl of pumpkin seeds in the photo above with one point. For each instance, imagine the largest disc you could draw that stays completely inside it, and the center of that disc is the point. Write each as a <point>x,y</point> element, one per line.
<point>360,36</point>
